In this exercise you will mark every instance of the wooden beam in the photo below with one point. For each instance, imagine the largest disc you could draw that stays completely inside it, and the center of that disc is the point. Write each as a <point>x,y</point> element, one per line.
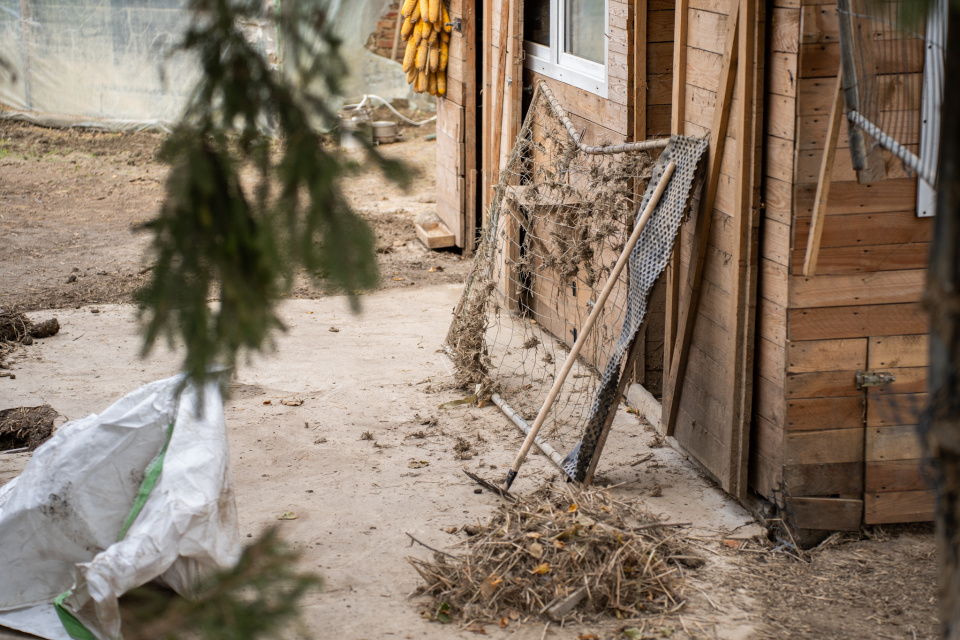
<point>681,20</point>
<point>691,295</point>
<point>743,298</point>
<point>638,44</point>
<point>677,114</point>
<point>823,182</point>
<point>497,128</point>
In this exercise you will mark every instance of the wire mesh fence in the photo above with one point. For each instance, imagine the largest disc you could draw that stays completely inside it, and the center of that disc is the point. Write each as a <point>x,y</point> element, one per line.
<point>893,71</point>
<point>559,220</point>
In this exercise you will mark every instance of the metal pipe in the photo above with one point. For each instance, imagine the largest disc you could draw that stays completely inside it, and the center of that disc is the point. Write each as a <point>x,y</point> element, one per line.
<point>508,411</point>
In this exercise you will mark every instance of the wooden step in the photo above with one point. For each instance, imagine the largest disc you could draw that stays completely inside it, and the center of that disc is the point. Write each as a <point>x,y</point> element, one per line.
<point>433,233</point>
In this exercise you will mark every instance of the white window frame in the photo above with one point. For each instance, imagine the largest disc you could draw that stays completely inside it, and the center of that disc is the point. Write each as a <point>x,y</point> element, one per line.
<point>554,63</point>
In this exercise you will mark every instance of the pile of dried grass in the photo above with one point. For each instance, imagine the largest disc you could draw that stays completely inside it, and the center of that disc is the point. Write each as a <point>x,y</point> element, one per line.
<point>26,427</point>
<point>563,553</point>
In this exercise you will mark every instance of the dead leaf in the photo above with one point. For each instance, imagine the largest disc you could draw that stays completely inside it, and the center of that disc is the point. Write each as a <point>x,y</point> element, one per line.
<point>733,544</point>
<point>587,636</point>
<point>267,402</point>
<point>541,569</point>
<point>514,615</point>
<point>334,330</point>
<point>559,544</point>
<point>292,402</point>
<point>399,279</point>
<point>534,535</point>
<point>287,515</point>
<point>418,464</point>
<point>489,586</point>
<point>536,550</point>
<point>452,529</point>
<point>572,508</point>
<point>504,621</point>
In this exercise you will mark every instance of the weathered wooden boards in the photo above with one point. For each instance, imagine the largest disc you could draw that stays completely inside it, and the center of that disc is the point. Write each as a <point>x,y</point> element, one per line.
<point>708,392</point>
<point>840,454</point>
<point>457,179</point>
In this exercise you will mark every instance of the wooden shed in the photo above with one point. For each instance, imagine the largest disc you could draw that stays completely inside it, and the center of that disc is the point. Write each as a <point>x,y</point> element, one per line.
<point>771,379</point>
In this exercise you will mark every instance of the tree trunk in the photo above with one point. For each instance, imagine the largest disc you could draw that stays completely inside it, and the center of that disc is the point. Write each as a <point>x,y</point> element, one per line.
<point>942,428</point>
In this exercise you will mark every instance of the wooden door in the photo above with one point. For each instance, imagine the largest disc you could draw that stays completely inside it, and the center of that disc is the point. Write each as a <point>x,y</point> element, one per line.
<point>457,131</point>
<point>896,475</point>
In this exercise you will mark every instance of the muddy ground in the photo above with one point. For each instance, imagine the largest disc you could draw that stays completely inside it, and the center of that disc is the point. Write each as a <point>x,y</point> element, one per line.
<point>68,202</point>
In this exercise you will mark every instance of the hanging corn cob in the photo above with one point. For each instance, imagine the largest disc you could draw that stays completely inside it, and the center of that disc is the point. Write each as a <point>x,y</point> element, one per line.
<point>426,31</point>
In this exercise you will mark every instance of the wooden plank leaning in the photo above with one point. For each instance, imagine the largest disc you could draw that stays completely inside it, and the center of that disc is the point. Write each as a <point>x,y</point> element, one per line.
<point>588,325</point>
<point>690,297</point>
<point>823,181</point>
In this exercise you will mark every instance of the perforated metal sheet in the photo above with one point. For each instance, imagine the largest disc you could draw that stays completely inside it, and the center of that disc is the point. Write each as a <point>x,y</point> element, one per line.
<point>647,261</point>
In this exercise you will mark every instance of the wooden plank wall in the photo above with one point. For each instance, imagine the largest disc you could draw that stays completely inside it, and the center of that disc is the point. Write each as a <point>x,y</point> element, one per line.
<point>709,424</point>
<point>657,80</point>
<point>659,68</point>
<point>841,454</point>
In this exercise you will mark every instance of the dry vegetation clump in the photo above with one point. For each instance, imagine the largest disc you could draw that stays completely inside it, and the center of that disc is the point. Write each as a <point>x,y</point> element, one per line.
<point>26,427</point>
<point>563,553</point>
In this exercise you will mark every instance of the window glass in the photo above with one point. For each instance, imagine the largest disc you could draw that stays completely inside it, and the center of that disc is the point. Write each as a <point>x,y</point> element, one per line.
<point>536,21</point>
<point>584,35</point>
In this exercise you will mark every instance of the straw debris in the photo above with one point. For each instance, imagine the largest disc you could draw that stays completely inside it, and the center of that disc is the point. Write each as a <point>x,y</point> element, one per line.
<point>563,553</point>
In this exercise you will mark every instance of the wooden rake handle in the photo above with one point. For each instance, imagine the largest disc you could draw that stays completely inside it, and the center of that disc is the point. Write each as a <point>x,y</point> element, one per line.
<point>588,325</point>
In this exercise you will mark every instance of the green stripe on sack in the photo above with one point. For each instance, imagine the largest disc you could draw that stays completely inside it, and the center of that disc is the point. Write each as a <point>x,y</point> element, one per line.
<point>70,622</point>
<point>149,482</point>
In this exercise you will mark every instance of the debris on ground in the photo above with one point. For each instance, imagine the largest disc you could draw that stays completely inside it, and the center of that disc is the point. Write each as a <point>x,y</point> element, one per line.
<point>17,329</point>
<point>26,428</point>
<point>562,553</point>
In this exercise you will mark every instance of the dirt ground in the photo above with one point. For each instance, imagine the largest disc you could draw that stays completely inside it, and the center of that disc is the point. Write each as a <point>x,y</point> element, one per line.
<point>69,199</point>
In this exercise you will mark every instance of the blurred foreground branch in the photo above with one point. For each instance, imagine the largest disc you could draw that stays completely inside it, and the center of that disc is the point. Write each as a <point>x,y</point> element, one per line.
<point>245,211</point>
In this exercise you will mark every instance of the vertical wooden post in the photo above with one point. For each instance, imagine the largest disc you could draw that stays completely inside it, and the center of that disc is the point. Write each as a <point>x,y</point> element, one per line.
<point>673,387</point>
<point>499,97</point>
<point>677,114</point>
<point>743,298</point>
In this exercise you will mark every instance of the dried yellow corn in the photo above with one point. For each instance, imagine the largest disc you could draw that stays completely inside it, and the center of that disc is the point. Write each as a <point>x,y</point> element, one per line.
<point>412,74</point>
<point>441,83</point>
<point>422,84</point>
<point>406,29</point>
<point>444,37</point>
<point>434,58</point>
<point>409,55</point>
<point>432,84</point>
<point>443,57</point>
<point>415,14</point>
<point>425,10</point>
<point>407,7</point>
<point>421,61</point>
<point>435,10</point>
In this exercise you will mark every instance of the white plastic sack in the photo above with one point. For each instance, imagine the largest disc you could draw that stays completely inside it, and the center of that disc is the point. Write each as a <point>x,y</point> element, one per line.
<point>72,528</point>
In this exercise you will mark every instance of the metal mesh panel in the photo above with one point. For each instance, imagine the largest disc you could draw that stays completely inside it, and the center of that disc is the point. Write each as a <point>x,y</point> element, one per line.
<point>893,76</point>
<point>559,220</point>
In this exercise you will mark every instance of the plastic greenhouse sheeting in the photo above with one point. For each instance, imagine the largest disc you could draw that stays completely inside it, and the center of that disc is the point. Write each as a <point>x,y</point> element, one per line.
<point>115,64</point>
<point>140,492</point>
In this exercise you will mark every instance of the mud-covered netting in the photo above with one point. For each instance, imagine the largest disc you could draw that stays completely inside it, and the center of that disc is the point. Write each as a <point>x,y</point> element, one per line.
<point>559,220</point>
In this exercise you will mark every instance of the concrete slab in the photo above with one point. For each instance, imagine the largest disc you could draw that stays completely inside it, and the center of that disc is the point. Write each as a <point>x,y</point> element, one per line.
<point>371,387</point>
